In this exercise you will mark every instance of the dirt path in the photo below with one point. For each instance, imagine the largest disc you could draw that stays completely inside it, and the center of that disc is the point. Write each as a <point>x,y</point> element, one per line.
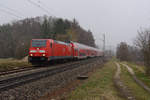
<point>120,86</point>
<point>130,70</point>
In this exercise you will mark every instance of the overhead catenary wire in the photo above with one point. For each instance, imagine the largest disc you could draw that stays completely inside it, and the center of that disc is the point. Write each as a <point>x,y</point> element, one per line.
<point>10,13</point>
<point>47,7</point>
<point>39,6</point>
<point>40,2</point>
<point>12,10</point>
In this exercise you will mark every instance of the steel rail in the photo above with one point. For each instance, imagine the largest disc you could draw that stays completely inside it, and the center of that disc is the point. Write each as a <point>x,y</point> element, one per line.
<point>6,84</point>
<point>16,70</point>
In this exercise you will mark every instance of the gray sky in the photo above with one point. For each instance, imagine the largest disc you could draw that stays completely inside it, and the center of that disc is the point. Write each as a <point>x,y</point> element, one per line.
<point>119,19</point>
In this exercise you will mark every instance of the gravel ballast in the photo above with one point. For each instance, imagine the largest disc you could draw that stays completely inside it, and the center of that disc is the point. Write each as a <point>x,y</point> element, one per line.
<point>36,89</point>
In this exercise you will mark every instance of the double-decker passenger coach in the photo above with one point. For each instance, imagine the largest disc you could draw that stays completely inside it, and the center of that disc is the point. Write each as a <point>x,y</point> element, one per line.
<point>44,50</point>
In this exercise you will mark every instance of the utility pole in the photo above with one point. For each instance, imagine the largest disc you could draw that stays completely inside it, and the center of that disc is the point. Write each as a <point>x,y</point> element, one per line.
<point>104,44</point>
<point>103,40</point>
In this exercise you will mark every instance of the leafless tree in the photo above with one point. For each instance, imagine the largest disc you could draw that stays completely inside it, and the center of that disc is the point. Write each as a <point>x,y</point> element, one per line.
<point>135,54</point>
<point>123,52</point>
<point>143,42</point>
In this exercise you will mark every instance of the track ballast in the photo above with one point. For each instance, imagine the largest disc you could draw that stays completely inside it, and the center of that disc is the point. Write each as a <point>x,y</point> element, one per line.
<point>8,83</point>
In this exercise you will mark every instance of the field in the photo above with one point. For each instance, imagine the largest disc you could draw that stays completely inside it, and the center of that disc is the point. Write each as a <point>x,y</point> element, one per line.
<point>99,86</point>
<point>140,73</point>
<point>10,63</point>
<point>136,90</point>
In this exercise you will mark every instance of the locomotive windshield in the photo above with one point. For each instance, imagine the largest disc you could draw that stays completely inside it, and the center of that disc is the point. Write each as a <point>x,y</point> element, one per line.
<point>38,43</point>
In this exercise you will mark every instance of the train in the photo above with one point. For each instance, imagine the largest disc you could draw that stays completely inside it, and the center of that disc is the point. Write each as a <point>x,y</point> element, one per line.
<point>49,50</point>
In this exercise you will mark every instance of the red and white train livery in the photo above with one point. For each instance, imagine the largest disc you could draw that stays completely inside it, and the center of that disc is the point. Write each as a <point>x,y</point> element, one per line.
<point>43,50</point>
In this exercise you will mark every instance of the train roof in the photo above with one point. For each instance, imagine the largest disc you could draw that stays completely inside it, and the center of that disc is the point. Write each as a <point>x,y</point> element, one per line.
<point>42,39</point>
<point>83,46</point>
<point>79,45</point>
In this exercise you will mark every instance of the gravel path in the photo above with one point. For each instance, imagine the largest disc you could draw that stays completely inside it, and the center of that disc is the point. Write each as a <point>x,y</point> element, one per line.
<point>120,86</point>
<point>130,70</point>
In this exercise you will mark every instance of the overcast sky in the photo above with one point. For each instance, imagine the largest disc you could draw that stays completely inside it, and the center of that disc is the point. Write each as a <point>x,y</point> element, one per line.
<point>118,19</point>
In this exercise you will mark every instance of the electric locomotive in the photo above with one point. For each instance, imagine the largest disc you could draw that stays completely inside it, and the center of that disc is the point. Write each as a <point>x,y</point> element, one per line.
<point>44,50</point>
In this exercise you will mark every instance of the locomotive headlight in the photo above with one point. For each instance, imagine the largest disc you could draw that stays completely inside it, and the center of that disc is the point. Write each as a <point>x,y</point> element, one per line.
<point>31,54</point>
<point>43,54</point>
<point>42,51</point>
<point>32,51</point>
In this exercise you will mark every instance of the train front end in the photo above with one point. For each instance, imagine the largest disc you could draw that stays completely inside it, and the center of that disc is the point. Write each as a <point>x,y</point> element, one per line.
<point>38,51</point>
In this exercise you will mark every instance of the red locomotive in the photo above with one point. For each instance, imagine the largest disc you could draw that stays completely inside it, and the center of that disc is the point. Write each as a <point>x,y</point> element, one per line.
<point>44,50</point>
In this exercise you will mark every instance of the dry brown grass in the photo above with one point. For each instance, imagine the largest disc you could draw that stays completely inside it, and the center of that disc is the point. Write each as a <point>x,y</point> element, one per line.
<point>136,90</point>
<point>10,63</point>
<point>99,86</point>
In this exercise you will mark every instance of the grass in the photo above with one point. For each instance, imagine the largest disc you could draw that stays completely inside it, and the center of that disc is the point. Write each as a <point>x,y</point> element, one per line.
<point>140,73</point>
<point>136,67</point>
<point>136,90</point>
<point>10,63</point>
<point>99,86</point>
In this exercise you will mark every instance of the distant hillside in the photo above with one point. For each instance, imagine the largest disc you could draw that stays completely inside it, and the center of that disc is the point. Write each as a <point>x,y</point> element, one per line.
<point>15,37</point>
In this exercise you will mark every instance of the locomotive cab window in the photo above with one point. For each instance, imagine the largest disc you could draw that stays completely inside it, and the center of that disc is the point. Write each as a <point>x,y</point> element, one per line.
<point>39,43</point>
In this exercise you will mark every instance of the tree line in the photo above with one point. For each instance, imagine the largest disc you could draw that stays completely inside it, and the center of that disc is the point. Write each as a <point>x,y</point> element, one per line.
<point>139,52</point>
<point>127,52</point>
<point>15,37</point>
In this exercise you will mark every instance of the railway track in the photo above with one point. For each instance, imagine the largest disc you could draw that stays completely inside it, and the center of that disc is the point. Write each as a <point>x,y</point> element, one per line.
<point>16,70</point>
<point>15,81</point>
<point>22,69</point>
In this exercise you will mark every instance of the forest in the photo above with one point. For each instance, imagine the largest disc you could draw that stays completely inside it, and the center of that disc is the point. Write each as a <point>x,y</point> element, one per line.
<point>15,37</point>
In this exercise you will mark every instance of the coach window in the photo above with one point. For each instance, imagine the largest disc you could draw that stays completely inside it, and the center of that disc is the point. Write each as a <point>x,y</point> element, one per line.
<point>76,50</point>
<point>51,44</point>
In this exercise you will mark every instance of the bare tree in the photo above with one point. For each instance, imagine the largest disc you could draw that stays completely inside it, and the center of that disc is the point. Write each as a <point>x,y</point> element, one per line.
<point>123,52</point>
<point>143,42</point>
<point>135,53</point>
